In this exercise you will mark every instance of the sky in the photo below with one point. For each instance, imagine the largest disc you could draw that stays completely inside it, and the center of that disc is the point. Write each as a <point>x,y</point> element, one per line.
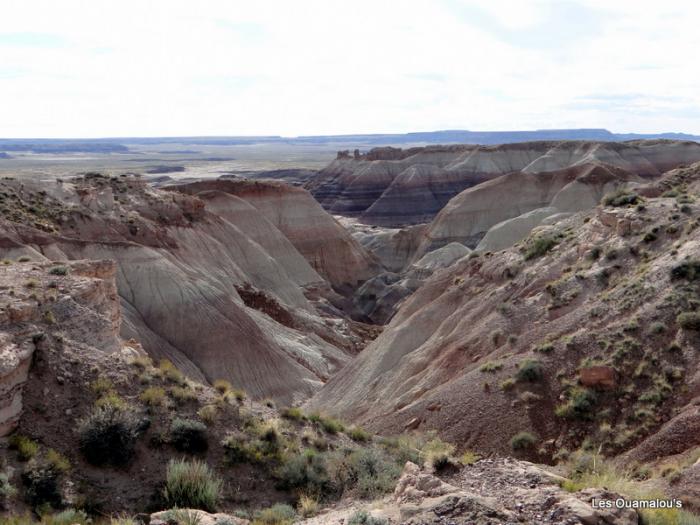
<point>104,68</point>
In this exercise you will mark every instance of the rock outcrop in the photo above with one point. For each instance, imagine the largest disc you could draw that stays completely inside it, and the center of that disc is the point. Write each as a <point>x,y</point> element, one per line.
<point>394,187</point>
<point>80,297</point>
<point>488,492</point>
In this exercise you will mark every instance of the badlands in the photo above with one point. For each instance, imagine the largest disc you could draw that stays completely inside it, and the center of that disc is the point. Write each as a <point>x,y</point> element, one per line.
<point>446,334</point>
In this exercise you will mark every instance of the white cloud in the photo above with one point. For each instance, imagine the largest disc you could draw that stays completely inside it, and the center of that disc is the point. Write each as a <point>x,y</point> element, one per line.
<point>166,67</point>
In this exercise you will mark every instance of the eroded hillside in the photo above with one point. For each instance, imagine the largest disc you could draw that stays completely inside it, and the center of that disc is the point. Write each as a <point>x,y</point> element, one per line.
<point>584,333</point>
<point>213,284</point>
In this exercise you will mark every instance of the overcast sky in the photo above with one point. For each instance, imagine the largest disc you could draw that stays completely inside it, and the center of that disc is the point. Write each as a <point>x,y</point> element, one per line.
<point>295,67</point>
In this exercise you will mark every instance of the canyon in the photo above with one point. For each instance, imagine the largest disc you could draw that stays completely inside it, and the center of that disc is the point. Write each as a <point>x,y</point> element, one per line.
<point>470,294</point>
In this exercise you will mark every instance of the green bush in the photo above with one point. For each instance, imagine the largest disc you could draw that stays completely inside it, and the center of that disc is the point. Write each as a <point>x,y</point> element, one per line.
<point>359,434</point>
<point>621,197</point>
<point>522,441</point>
<point>67,517</point>
<point>265,447</point>
<point>153,396</point>
<point>367,472</point>
<point>108,435</point>
<point>371,473</point>
<point>26,448</point>
<point>530,370</point>
<point>293,413</point>
<point>657,328</point>
<point>580,404</point>
<point>187,435</point>
<point>689,320</point>
<point>278,514</point>
<point>538,245</point>
<point>490,367</point>
<point>688,270</point>
<point>191,485</point>
<point>41,483</point>
<point>307,472</point>
<point>362,517</point>
<point>332,426</point>
<point>59,270</point>
<point>6,488</point>
<point>437,454</point>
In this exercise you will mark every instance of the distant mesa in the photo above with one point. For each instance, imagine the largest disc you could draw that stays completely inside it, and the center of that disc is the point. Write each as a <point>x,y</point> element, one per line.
<point>157,170</point>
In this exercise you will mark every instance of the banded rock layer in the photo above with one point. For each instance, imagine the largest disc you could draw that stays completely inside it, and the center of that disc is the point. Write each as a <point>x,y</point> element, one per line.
<point>394,187</point>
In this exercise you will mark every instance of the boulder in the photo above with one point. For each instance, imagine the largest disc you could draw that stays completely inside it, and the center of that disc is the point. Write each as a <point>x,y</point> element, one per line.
<point>599,377</point>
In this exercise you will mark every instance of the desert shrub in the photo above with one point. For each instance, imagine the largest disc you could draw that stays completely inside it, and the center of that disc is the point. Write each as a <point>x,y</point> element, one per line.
<point>184,517</point>
<point>171,373</point>
<point>191,485</point>
<point>650,237</point>
<point>6,488</point>
<point>59,270</point>
<point>307,506</point>
<point>57,461</point>
<point>26,448</point>
<point>182,394</point>
<point>278,514</point>
<point>359,434</point>
<point>362,517</point>
<point>371,473</point>
<point>153,396</point>
<point>580,404</point>
<point>24,258</point>
<point>544,348</point>
<point>688,270</point>
<point>328,424</point>
<point>490,367</point>
<point>222,386</point>
<point>41,483</point>
<point>111,400</point>
<point>523,441</point>
<point>66,517</point>
<point>108,435</point>
<point>621,197</point>
<point>530,370</point>
<point>689,320</point>
<point>657,328</point>
<point>538,245</point>
<point>469,458</point>
<point>142,361</point>
<point>102,385</point>
<point>307,472</point>
<point>437,454</point>
<point>187,435</point>
<point>292,413</point>
<point>507,384</point>
<point>265,444</point>
<point>208,414</point>
<point>235,448</point>
<point>403,448</point>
